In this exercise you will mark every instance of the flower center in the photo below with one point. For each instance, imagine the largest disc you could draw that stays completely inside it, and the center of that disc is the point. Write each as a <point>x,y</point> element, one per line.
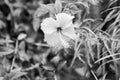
<point>59,29</point>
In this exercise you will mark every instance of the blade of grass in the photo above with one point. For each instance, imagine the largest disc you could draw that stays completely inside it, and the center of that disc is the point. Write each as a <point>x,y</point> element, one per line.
<point>103,58</point>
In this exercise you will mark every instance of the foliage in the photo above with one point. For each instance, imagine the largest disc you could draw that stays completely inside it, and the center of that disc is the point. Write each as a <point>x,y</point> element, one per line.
<point>93,54</point>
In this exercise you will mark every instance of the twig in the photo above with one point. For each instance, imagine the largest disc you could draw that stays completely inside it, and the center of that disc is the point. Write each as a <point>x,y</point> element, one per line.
<point>15,52</point>
<point>31,68</point>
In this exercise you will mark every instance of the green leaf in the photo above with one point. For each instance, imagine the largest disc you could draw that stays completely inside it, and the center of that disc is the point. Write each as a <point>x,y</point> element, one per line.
<point>1,78</point>
<point>71,9</point>
<point>21,36</point>
<point>51,8</point>
<point>22,52</point>
<point>48,66</point>
<point>36,24</point>
<point>2,24</point>
<point>6,64</point>
<point>58,6</point>
<point>14,74</point>
<point>40,12</point>
<point>94,2</point>
<point>3,41</point>
<point>2,70</point>
<point>83,70</point>
<point>5,51</point>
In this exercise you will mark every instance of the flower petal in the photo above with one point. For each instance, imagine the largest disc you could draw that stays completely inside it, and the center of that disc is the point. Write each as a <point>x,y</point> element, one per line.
<point>69,32</point>
<point>64,19</point>
<point>49,25</point>
<point>64,40</point>
<point>56,41</point>
<point>53,39</point>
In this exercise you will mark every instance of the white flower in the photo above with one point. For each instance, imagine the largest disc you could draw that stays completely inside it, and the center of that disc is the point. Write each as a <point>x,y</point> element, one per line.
<point>58,32</point>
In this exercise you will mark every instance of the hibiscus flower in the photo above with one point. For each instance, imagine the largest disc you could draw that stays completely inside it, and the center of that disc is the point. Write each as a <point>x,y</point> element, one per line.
<point>59,30</point>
